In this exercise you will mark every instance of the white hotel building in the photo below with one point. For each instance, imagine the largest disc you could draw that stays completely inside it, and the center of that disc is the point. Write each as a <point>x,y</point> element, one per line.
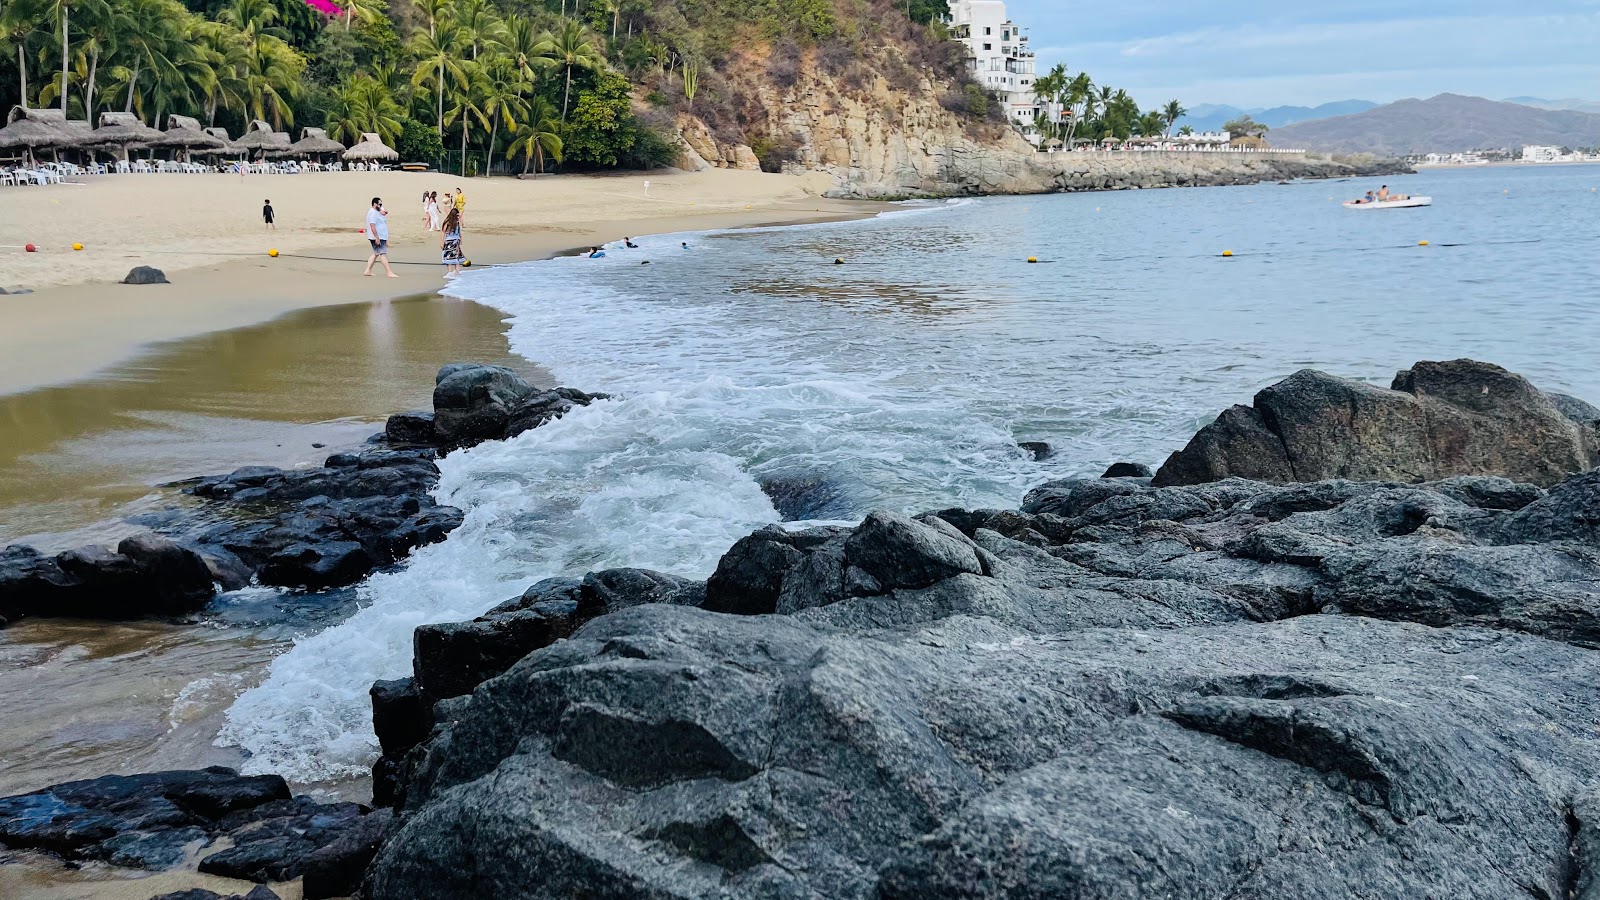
<point>997,52</point>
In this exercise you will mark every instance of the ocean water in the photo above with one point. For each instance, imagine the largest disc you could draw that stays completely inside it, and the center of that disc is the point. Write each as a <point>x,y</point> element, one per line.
<point>903,377</point>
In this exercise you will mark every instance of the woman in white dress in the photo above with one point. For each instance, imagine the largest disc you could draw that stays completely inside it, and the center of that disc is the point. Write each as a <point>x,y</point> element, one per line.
<point>433,211</point>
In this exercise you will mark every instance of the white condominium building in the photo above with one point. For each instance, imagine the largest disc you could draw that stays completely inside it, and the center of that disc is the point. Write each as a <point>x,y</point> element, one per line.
<point>998,54</point>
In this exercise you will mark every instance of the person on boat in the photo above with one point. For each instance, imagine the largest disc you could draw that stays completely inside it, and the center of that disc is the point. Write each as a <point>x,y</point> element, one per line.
<point>1368,199</point>
<point>1383,193</point>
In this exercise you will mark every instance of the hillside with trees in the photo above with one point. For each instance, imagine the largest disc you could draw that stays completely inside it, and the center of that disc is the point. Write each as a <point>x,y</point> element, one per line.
<point>591,84</point>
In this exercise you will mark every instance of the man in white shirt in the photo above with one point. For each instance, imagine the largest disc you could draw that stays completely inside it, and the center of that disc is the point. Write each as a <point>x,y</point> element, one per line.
<point>378,237</point>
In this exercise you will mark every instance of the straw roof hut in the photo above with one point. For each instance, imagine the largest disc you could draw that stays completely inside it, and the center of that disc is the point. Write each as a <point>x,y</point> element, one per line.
<point>123,128</point>
<point>315,140</point>
<point>370,148</point>
<point>260,136</point>
<point>184,133</point>
<point>39,129</point>
<point>221,134</point>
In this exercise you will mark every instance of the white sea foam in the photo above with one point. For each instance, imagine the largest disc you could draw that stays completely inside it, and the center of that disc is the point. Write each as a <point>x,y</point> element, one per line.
<point>664,477</point>
<point>899,380</point>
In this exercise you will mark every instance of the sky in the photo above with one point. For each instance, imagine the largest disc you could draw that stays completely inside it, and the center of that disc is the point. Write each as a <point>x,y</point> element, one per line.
<point>1251,53</point>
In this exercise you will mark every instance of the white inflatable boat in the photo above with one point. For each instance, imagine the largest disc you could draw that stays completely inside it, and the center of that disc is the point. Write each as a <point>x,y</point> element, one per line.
<point>1407,203</point>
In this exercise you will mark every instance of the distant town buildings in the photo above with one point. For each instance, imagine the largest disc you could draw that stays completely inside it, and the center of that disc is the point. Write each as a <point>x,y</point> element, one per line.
<point>999,57</point>
<point>1535,153</point>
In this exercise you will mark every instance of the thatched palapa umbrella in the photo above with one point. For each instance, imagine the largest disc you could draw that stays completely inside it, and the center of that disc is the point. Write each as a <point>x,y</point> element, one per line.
<point>260,136</point>
<point>39,129</point>
<point>123,128</point>
<point>315,142</point>
<point>228,145</point>
<point>184,133</point>
<point>371,148</point>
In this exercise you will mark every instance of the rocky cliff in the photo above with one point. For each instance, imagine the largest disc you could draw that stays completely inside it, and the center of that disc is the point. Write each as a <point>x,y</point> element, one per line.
<point>882,141</point>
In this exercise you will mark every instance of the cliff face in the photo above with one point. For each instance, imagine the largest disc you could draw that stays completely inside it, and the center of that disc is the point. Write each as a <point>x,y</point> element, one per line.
<point>881,142</point>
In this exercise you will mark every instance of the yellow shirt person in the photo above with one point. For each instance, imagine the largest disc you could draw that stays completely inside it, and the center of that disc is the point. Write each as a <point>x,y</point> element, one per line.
<point>461,205</point>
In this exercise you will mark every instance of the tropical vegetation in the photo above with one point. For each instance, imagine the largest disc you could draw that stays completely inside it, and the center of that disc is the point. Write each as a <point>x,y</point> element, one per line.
<point>1074,108</point>
<point>472,84</point>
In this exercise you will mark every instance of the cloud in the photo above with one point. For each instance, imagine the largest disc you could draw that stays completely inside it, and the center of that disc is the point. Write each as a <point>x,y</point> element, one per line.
<point>1263,56</point>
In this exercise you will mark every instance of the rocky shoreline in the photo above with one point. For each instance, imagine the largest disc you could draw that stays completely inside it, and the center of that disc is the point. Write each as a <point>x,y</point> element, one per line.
<point>1343,644</point>
<point>309,529</point>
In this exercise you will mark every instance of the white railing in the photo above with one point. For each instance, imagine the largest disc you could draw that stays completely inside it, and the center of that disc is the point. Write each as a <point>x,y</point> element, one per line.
<point>1260,151</point>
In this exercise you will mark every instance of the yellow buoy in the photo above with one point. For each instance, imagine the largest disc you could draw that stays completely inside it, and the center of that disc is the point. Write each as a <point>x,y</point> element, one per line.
<point>1422,243</point>
<point>1227,253</point>
<point>1033,259</point>
<point>77,246</point>
<point>838,261</point>
<point>273,253</point>
<point>466,263</point>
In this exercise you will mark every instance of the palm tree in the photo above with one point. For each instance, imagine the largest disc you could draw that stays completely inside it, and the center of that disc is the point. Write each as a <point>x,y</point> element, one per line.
<point>1080,93</point>
<point>103,28</point>
<point>614,7</point>
<point>438,61</point>
<point>18,21</point>
<point>539,134</point>
<point>467,97</point>
<point>573,46</point>
<point>478,23</point>
<point>363,104</point>
<point>520,40</point>
<point>228,56</point>
<point>501,99</point>
<point>272,79</point>
<point>1049,88</point>
<point>1172,112</point>
<point>1186,131</point>
<point>153,41</point>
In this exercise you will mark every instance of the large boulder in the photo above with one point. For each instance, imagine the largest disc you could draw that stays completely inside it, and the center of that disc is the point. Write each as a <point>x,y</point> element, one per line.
<point>147,575</point>
<point>1334,689</point>
<point>473,402</point>
<point>666,752</point>
<point>1437,420</point>
<point>145,275</point>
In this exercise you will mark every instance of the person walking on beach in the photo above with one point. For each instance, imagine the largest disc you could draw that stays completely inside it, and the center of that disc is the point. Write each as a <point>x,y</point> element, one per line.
<point>266,215</point>
<point>450,245</point>
<point>378,236</point>
<point>461,204</point>
<point>433,211</point>
<point>425,217</point>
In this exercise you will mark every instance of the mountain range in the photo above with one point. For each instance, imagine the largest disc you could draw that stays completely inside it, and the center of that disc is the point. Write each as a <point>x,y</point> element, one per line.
<point>1448,123</point>
<point>1212,116</point>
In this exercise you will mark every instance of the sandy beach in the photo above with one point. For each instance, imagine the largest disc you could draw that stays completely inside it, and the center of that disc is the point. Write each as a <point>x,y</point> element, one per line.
<point>206,233</point>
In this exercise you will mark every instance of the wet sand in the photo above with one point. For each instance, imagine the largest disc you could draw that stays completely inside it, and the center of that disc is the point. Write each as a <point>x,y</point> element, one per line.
<point>84,699</point>
<point>76,457</point>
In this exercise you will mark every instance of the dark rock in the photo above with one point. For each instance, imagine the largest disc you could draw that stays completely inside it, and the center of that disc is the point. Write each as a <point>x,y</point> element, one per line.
<point>1266,760</point>
<point>802,498</point>
<point>1039,450</point>
<point>414,427</point>
<point>1128,470</point>
<point>473,403</point>
<point>336,869</point>
<point>1437,421</point>
<point>901,553</point>
<point>259,892</point>
<point>1225,689</point>
<point>147,575</point>
<point>145,275</point>
<point>453,658</point>
<point>399,718</point>
<point>317,566</point>
<point>134,820</point>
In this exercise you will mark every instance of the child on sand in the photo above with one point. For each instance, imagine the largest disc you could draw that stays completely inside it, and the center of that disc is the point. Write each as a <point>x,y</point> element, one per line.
<point>266,215</point>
